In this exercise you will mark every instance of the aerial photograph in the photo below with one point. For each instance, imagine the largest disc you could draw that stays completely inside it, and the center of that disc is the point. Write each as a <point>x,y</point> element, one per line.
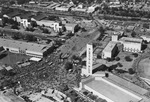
<point>74,50</point>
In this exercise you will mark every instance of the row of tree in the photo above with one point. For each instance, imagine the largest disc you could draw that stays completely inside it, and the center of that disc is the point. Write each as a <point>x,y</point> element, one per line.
<point>129,12</point>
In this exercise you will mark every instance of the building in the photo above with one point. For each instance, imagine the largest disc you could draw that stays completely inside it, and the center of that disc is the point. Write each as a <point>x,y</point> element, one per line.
<point>27,48</point>
<point>92,8</point>
<point>24,19</point>
<point>116,35</point>
<point>113,88</point>
<point>11,15</point>
<point>53,24</point>
<point>9,96</point>
<point>114,2</point>
<point>71,27</point>
<point>89,59</point>
<point>63,7</point>
<point>110,50</point>
<point>39,17</point>
<point>79,9</point>
<point>146,38</point>
<point>131,44</point>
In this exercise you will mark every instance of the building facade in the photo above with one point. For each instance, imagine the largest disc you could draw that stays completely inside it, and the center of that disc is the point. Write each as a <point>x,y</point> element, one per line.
<point>110,50</point>
<point>131,44</point>
<point>27,48</point>
<point>89,60</point>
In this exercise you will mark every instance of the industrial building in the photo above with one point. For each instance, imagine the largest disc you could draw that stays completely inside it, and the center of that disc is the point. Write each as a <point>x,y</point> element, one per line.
<point>108,87</point>
<point>131,44</point>
<point>27,48</point>
<point>109,50</point>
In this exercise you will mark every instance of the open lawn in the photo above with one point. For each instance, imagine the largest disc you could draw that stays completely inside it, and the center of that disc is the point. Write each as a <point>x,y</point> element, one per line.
<point>11,58</point>
<point>144,66</point>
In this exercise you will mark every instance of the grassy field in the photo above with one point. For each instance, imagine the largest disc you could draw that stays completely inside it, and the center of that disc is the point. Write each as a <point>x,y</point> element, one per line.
<point>144,66</point>
<point>11,58</point>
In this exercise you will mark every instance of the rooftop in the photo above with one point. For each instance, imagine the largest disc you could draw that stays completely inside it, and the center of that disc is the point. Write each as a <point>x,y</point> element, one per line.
<point>23,45</point>
<point>70,24</point>
<point>39,17</point>
<point>48,21</point>
<point>127,84</point>
<point>9,96</point>
<point>110,91</point>
<point>110,46</point>
<point>131,40</point>
<point>13,14</point>
<point>26,15</point>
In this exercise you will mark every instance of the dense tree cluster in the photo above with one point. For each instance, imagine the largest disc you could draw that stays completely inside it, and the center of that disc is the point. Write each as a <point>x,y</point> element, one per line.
<point>128,12</point>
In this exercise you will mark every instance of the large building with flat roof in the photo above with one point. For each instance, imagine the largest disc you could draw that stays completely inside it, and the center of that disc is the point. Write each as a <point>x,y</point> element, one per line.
<point>109,50</point>
<point>131,44</point>
<point>28,48</point>
<point>114,89</point>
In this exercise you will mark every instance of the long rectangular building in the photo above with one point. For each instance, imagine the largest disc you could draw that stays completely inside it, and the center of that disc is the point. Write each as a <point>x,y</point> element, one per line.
<point>28,48</point>
<point>131,44</point>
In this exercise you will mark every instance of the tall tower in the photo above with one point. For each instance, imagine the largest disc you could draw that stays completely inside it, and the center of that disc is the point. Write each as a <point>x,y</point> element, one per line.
<point>89,59</point>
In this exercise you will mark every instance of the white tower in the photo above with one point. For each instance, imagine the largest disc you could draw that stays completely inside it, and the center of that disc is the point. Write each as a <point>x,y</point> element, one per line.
<point>89,59</point>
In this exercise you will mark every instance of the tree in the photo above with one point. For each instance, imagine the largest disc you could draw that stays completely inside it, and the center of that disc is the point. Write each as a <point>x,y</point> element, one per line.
<point>16,36</point>
<point>135,54</point>
<point>119,64</point>
<point>68,66</point>
<point>133,34</point>
<point>101,29</point>
<point>127,58</point>
<point>29,29</point>
<point>131,71</point>
<point>30,38</point>
<point>14,26</point>
<point>117,59</point>
<point>45,31</point>
<point>33,24</point>
<point>12,2</point>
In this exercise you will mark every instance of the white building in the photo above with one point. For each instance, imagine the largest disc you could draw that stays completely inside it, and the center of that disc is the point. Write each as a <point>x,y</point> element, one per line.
<point>107,89</point>
<point>55,25</point>
<point>116,35</point>
<point>28,48</point>
<point>89,60</point>
<point>109,50</point>
<point>62,8</point>
<point>71,27</point>
<point>146,38</point>
<point>25,23</point>
<point>79,9</point>
<point>131,44</point>
<point>92,8</point>
<point>24,19</point>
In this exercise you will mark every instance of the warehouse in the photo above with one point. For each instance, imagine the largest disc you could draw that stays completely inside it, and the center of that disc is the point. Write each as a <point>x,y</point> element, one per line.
<point>131,44</point>
<point>109,50</point>
<point>27,48</point>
